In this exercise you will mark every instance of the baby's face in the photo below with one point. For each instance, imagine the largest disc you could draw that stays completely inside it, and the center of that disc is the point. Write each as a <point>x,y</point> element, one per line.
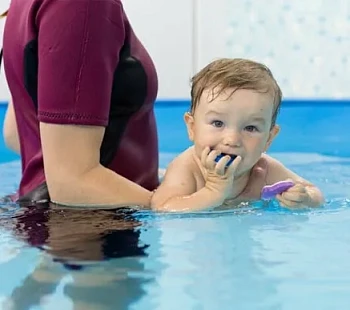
<point>239,124</point>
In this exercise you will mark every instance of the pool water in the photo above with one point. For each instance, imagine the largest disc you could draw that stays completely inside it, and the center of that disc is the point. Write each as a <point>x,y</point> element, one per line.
<point>256,257</point>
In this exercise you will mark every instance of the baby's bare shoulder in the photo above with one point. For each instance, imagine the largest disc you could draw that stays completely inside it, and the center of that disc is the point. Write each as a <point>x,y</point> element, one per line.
<point>184,162</point>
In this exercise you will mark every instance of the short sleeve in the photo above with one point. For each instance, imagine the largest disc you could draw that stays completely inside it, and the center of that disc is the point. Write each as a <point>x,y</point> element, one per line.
<point>78,51</point>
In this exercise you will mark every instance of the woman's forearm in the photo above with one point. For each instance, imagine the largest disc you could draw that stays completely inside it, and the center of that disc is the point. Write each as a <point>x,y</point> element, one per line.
<point>98,188</point>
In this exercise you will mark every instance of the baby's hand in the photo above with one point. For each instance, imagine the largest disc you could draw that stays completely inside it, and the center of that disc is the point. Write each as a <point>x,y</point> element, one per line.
<point>219,178</point>
<point>295,197</point>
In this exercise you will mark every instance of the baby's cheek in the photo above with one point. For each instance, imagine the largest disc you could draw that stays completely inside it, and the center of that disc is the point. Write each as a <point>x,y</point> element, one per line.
<point>245,166</point>
<point>251,159</point>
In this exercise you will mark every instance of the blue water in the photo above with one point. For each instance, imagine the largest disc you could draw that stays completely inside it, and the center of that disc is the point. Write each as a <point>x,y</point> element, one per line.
<point>252,258</point>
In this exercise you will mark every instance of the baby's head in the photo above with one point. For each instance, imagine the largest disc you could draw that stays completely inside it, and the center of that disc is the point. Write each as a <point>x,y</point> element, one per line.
<point>234,106</point>
<point>227,74</point>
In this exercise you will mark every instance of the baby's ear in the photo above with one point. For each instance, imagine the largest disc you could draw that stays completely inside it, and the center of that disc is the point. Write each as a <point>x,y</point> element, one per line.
<point>188,118</point>
<point>273,133</point>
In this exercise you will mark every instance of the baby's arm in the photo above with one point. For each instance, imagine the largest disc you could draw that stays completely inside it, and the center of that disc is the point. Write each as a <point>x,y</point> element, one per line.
<point>303,193</point>
<point>179,192</point>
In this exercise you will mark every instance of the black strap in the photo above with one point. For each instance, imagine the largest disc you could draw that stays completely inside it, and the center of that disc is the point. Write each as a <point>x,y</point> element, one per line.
<point>0,58</point>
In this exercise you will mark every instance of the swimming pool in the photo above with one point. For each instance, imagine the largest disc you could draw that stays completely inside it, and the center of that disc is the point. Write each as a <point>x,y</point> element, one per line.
<point>253,258</point>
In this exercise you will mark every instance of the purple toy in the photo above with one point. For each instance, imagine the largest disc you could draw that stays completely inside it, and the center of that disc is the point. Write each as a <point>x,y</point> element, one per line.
<point>270,191</point>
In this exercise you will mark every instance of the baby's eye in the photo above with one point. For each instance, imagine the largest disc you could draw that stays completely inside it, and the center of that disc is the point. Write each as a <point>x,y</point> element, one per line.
<point>217,123</point>
<point>251,128</point>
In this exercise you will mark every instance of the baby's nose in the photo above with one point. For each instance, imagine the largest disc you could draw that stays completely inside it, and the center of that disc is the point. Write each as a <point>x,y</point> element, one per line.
<point>232,139</point>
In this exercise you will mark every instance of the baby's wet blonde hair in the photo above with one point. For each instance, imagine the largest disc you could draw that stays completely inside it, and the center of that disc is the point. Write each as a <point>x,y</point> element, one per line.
<point>237,73</point>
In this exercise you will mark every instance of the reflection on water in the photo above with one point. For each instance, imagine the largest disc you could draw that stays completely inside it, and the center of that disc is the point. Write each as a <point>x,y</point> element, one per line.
<point>97,249</point>
<point>139,260</point>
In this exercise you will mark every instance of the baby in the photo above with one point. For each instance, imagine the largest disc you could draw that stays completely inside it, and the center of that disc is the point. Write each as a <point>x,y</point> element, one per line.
<point>234,107</point>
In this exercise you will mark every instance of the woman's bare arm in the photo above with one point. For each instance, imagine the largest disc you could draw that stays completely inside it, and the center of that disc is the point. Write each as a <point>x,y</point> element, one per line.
<point>74,174</point>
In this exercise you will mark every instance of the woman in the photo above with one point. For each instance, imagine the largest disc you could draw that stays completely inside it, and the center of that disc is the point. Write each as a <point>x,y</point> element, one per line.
<point>83,89</point>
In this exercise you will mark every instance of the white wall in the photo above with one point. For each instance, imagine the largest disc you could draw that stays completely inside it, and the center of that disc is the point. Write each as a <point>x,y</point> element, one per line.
<point>305,43</point>
<point>165,28</point>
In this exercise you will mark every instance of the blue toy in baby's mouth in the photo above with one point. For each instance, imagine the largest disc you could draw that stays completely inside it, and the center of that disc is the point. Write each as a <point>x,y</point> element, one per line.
<point>222,155</point>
